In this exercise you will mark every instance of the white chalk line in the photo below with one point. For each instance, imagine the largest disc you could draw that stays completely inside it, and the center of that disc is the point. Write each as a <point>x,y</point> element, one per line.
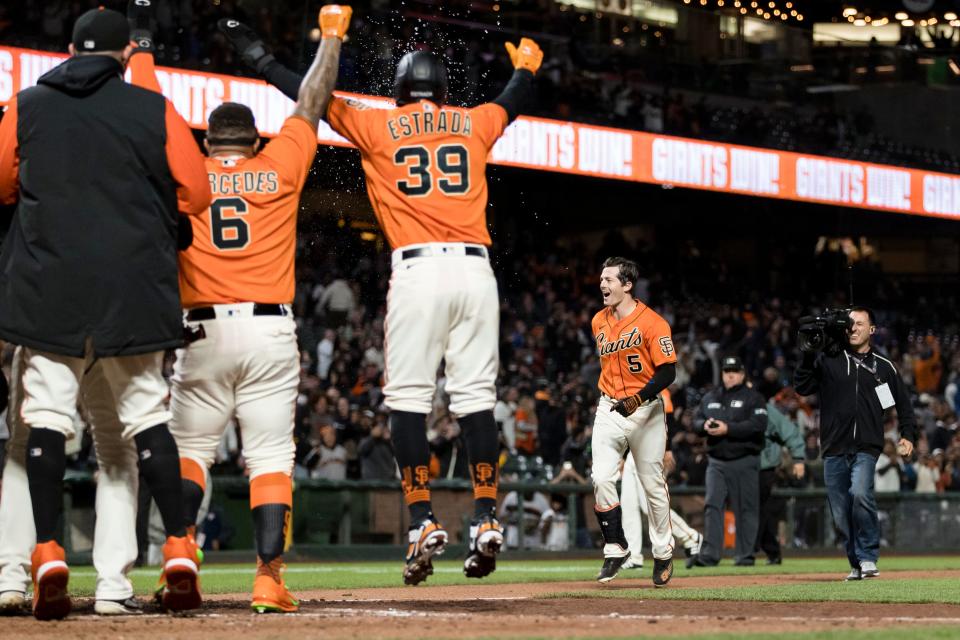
<point>400,613</point>
<point>90,572</point>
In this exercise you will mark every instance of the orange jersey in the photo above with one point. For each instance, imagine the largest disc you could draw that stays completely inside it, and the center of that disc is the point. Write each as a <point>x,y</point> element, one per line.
<point>630,349</point>
<point>244,244</point>
<point>425,166</point>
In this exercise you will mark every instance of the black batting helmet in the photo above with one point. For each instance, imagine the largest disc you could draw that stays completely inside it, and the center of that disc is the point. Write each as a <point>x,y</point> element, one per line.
<point>420,76</point>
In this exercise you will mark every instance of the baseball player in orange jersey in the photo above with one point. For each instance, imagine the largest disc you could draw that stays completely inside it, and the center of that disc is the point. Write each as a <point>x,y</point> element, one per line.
<point>425,164</point>
<point>237,285</point>
<point>637,362</point>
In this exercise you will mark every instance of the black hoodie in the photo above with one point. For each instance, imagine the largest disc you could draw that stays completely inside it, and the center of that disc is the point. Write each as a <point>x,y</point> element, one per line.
<point>851,416</point>
<point>92,248</point>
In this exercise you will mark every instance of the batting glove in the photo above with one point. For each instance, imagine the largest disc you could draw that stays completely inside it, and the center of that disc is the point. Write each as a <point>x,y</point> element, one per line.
<point>527,55</point>
<point>334,20</point>
<point>248,44</point>
<point>628,405</point>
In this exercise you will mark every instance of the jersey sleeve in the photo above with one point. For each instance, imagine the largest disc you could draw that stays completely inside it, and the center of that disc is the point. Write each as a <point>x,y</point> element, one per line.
<point>186,164</point>
<point>293,150</point>
<point>660,345</point>
<point>9,155</point>
<point>488,122</point>
<point>351,119</point>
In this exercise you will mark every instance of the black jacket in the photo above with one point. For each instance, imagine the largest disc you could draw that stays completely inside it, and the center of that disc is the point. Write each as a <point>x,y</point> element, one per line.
<point>851,417</point>
<point>745,413</point>
<point>92,248</point>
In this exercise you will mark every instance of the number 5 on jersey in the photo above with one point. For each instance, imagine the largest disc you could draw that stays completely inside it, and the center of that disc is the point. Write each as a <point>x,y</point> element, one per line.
<point>452,160</point>
<point>228,230</point>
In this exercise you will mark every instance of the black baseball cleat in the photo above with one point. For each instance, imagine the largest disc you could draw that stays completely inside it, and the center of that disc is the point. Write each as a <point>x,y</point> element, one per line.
<point>774,560</point>
<point>662,572</point>
<point>141,14</point>
<point>611,567</point>
<point>247,43</point>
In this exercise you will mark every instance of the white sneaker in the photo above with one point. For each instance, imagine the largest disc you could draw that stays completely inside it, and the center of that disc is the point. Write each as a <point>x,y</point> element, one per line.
<point>129,607</point>
<point>869,569</point>
<point>855,574</point>
<point>633,563</point>
<point>12,603</point>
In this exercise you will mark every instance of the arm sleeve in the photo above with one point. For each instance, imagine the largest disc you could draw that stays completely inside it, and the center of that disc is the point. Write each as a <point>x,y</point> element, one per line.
<point>662,377</point>
<point>287,81</point>
<point>293,150</point>
<point>186,165</point>
<point>143,73</point>
<point>807,376</point>
<point>516,94</point>
<point>488,122</point>
<point>755,423</point>
<point>907,421</point>
<point>9,156</point>
<point>699,420</point>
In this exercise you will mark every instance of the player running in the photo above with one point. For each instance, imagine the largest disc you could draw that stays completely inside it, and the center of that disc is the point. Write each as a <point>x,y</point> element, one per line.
<point>237,285</point>
<point>425,165</point>
<point>637,362</point>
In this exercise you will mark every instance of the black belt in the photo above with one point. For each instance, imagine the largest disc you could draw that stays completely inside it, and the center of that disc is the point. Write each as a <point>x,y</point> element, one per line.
<point>259,309</point>
<point>420,252</point>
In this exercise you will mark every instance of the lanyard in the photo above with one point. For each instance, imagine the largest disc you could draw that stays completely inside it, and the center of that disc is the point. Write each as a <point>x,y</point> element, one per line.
<point>863,363</point>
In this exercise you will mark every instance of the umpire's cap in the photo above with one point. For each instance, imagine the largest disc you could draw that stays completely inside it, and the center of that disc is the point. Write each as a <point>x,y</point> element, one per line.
<point>420,76</point>
<point>101,30</point>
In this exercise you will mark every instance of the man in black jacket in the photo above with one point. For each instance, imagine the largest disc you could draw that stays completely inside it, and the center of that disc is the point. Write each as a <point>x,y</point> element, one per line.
<point>88,273</point>
<point>856,387</point>
<point>734,420</point>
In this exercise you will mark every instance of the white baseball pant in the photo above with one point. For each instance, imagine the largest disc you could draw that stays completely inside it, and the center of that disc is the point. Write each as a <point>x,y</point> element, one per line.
<point>115,536</point>
<point>645,434</point>
<point>249,367</point>
<point>443,306</point>
<point>51,389</point>
<point>634,502</point>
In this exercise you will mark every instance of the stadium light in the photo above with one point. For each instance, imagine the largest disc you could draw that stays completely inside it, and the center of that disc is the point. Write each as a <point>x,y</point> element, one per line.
<point>901,15</point>
<point>954,67</point>
<point>907,23</point>
<point>849,11</point>
<point>949,15</point>
<point>859,22</point>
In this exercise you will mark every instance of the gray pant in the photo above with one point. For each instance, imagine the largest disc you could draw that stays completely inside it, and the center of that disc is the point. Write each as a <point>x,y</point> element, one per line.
<point>738,481</point>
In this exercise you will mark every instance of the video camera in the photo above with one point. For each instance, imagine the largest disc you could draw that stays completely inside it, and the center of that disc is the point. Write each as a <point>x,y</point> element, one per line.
<point>826,332</point>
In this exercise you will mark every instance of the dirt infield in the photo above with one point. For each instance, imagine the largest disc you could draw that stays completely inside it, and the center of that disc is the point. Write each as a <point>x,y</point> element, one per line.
<point>516,610</point>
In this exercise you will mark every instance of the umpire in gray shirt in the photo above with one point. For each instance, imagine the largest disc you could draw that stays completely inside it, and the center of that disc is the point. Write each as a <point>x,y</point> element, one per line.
<point>734,420</point>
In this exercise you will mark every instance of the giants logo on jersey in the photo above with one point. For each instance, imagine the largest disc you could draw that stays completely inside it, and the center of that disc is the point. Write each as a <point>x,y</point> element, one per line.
<point>666,346</point>
<point>627,341</point>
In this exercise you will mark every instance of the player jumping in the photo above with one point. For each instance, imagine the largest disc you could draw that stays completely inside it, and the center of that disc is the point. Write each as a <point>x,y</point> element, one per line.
<point>237,284</point>
<point>637,362</point>
<point>425,165</point>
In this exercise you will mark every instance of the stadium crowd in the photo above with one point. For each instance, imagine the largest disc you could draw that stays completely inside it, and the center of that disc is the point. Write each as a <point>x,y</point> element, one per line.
<point>584,78</point>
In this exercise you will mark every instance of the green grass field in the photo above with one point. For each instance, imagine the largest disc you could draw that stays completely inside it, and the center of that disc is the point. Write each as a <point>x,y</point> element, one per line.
<point>237,578</point>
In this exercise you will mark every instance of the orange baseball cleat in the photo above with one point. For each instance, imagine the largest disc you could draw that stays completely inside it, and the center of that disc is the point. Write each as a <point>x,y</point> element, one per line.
<point>181,568</point>
<point>270,594</point>
<point>50,573</point>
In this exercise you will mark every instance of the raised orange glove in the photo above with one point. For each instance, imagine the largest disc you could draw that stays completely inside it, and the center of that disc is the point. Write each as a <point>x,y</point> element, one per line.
<point>334,20</point>
<point>527,55</point>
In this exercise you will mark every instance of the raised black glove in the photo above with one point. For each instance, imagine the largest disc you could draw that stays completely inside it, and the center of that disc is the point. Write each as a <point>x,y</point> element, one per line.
<point>141,14</point>
<point>248,44</point>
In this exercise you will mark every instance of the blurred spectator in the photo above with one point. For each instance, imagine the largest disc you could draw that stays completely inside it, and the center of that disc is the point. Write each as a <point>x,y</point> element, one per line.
<point>376,452</point>
<point>327,460</point>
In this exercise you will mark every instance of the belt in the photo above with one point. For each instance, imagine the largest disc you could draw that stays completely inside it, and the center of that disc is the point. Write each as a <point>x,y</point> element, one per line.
<point>423,252</point>
<point>259,309</point>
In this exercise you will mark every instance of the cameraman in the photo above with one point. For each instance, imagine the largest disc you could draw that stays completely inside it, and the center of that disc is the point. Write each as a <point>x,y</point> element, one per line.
<point>856,386</point>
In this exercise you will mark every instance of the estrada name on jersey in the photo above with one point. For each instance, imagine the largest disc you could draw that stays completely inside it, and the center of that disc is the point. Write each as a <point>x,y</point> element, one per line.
<point>425,166</point>
<point>631,349</point>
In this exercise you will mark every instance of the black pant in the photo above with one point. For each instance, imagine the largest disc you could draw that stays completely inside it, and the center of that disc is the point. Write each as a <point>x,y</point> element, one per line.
<point>735,480</point>
<point>770,511</point>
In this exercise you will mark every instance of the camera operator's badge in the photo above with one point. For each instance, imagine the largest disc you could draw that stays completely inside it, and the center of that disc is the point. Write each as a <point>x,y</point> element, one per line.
<point>884,395</point>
